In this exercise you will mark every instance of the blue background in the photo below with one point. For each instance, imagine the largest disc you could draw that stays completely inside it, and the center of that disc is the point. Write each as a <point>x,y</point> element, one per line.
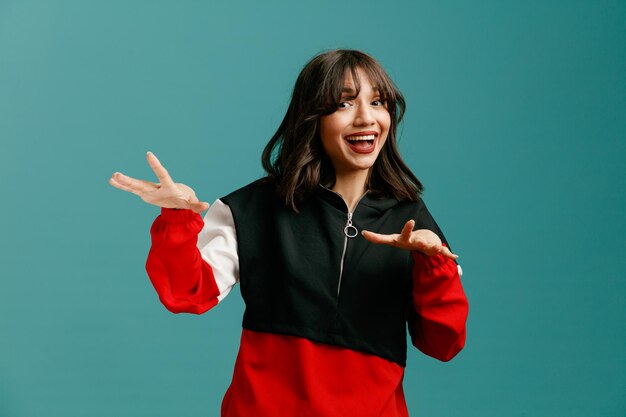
<point>516,124</point>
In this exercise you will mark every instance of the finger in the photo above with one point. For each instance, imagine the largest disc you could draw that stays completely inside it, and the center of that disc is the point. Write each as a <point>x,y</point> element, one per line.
<point>136,186</point>
<point>379,238</point>
<point>199,207</point>
<point>159,170</point>
<point>447,253</point>
<point>405,234</point>
<point>120,181</point>
<point>119,186</point>
<point>439,249</point>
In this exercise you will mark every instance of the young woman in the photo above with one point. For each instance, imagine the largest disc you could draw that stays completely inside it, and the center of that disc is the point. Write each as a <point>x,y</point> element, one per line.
<point>334,251</point>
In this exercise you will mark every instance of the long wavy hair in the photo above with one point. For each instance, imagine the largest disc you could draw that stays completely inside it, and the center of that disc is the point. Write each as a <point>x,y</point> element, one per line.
<point>294,157</point>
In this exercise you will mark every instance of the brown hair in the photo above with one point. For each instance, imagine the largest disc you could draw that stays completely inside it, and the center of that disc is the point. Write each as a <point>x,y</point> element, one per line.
<point>294,157</point>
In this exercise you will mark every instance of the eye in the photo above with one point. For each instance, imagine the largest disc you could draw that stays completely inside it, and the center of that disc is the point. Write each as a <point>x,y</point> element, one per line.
<point>379,102</point>
<point>344,104</point>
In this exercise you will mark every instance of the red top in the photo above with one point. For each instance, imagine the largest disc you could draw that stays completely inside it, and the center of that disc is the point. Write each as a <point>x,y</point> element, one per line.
<point>286,375</point>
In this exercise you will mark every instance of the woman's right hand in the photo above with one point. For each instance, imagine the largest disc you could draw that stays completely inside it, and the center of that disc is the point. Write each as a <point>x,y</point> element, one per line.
<point>166,193</point>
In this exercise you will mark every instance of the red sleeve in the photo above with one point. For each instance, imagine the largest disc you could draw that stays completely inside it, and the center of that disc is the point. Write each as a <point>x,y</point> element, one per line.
<point>437,324</point>
<point>183,280</point>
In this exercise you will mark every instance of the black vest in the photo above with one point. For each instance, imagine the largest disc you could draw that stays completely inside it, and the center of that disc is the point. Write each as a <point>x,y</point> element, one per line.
<point>301,275</point>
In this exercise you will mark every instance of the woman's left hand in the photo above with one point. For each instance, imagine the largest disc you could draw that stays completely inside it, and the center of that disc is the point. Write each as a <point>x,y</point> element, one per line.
<point>422,240</point>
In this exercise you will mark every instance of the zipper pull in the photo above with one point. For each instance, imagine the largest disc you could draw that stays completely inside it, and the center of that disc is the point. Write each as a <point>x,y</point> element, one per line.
<point>350,231</point>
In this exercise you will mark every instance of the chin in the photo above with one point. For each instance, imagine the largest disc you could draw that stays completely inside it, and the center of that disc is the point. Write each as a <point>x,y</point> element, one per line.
<point>363,165</point>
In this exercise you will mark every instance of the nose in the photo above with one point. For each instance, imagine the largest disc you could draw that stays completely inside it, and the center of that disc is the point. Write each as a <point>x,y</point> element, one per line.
<point>363,116</point>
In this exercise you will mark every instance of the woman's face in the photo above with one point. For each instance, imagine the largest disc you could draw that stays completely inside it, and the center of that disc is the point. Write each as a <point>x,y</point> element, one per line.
<point>355,133</point>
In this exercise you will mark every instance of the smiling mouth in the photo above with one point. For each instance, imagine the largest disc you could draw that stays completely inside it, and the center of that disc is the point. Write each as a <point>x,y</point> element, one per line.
<point>358,139</point>
<point>362,143</point>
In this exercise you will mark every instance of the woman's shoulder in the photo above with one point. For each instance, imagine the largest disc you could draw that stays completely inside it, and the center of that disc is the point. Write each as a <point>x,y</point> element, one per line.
<point>262,188</point>
<point>387,201</point>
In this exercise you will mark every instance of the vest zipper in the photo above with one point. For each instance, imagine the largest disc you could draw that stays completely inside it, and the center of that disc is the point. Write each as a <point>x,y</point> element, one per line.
<point>350,231</point>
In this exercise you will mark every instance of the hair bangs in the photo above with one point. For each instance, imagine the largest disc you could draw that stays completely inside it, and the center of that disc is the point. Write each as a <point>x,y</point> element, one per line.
<point>332,86</point>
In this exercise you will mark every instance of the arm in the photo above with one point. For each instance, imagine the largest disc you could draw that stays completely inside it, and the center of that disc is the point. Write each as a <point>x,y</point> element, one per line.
<point>187,277</point>
<point>438,311</point>
<point>192,273</point>
<point>439,306</point>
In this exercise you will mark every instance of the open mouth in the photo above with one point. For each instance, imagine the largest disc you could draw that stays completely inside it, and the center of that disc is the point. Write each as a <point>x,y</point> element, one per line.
<point>362,143</point>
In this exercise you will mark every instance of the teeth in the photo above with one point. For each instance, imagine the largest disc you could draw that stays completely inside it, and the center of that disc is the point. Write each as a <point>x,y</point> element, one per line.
<point>368,137</point>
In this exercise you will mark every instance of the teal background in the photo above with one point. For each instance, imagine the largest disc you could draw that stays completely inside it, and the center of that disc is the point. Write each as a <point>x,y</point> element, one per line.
<point>516,124</point>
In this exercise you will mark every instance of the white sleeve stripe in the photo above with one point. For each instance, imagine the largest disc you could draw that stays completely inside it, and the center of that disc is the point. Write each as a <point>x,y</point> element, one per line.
<point>460,270</point>
<point>218,245</point>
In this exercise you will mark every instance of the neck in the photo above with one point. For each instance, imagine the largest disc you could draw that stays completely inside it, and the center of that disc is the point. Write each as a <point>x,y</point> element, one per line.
<point>351,186</point>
